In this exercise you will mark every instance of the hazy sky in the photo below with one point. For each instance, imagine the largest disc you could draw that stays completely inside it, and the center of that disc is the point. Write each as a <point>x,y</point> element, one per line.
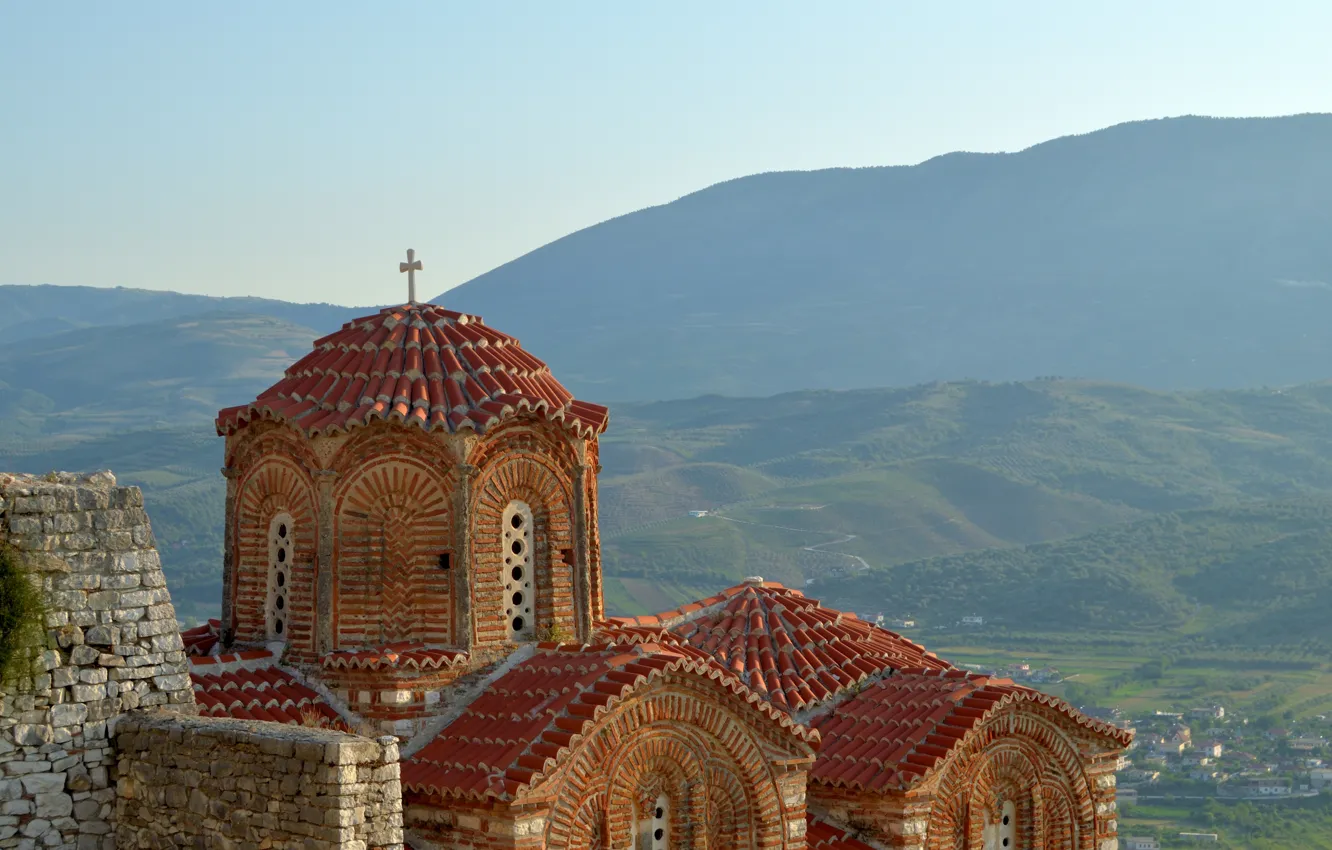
<point>295,150</point>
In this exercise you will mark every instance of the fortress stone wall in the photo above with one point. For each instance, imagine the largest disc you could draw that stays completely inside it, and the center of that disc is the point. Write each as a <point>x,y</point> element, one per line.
<point>210,782</point>
<point>115,646</point>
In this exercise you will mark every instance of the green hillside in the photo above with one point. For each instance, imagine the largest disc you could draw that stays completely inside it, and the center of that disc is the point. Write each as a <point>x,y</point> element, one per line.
<point>874,478</point>
<point>907,500</point>
<point>168,372</point>
<point>1246,573</point>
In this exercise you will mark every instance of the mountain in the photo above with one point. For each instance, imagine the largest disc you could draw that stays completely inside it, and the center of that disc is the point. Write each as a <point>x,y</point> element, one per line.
<point>1177,253</point>
<point>159,372</point>
<point>29,312</point>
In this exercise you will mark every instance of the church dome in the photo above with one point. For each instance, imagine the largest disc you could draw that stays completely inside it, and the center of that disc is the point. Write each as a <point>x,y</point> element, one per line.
<point>420,365</point>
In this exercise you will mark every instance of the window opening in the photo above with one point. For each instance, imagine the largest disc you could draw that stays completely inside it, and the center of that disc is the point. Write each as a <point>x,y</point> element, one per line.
<point>518,567</point>
<point>280,547</point>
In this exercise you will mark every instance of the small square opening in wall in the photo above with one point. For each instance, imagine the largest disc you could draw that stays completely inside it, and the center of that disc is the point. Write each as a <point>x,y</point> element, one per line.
<point>445,560</point>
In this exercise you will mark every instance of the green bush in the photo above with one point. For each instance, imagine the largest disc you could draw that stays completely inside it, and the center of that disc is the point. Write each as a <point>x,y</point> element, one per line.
<point>22,620</point>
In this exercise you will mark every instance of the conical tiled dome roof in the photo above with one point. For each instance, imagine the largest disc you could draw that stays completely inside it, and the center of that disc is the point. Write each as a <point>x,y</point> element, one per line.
<point>786,647</point>
<point>421,365</point>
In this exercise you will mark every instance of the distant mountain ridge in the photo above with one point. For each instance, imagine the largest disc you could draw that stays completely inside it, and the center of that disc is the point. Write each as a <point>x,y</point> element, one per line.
<point>29,312</point>
<point>1177,253</point>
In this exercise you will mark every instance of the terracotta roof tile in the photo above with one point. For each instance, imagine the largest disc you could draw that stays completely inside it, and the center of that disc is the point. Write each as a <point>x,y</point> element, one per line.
<point>524,723</point>
<point>896,731</point>
<point>402,363</point>
<point>821,835</point>
<point>268,693</point>
<point>200,640</point>
<point>789,648</point>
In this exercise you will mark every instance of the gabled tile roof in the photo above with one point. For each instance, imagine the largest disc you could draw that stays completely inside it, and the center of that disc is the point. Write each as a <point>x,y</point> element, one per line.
<point>821,835</point>
<point>398,656</point>
<point>421,365</point>
<point>267,693</point>
<point>786,647</point>
<point>898,730</point>
<point>200,640</point>
<point>525,723</point>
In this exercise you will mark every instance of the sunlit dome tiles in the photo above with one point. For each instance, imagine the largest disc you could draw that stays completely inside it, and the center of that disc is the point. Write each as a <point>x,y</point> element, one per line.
<point>785,647</point>
<point>420,365</point>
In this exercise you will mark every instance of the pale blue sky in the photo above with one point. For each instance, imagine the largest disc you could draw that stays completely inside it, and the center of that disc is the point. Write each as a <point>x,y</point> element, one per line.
<point>294,150</point>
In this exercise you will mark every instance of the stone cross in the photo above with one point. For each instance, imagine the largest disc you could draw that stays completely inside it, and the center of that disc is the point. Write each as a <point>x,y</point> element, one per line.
<point>412,266</point>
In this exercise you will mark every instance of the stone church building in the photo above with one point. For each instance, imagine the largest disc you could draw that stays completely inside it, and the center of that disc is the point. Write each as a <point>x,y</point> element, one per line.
<point>411,546</point>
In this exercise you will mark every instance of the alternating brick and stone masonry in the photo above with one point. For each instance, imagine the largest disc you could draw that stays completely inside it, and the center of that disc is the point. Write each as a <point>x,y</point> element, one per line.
<point>196,782</point>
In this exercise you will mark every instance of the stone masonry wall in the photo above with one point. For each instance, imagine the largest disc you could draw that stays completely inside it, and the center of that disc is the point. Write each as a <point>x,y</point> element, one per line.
<point>114,645</point>
<point>209,782</point>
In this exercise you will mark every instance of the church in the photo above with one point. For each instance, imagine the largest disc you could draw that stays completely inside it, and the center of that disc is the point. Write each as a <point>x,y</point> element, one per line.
<point>411,547</point>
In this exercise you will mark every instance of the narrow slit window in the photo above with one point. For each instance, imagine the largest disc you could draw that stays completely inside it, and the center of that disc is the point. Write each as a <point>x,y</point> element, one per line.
<point>281,546</point>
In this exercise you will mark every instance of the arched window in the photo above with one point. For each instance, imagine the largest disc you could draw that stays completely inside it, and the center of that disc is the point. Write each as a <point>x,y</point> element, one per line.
<point>519,559</point>
<point>281,538</point>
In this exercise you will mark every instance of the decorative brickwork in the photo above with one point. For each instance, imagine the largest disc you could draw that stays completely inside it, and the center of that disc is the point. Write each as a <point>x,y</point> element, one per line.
<point>273,485</point>
<point>632,730</point>
<point>512,470</point>
<point>393,526</point>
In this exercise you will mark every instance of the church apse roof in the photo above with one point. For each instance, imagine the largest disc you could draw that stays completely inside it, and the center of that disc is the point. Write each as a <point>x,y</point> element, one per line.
<point>420,365</point>
<point>526,722</point>
<point>895,732</point>
<point>784,646</point>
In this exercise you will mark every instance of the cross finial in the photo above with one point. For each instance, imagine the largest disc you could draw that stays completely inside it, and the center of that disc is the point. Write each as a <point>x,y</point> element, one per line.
<point>412,266</point>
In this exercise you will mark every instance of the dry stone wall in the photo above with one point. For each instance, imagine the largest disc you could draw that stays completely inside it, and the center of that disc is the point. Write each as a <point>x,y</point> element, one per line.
<point>114,645</point>
<point>209,782</point>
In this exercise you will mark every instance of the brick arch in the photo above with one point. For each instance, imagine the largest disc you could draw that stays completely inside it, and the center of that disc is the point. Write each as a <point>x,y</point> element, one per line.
<point>1006,772</point>
<point>653,765</point>
<point>273,484</point>
<point>588,828</point>
<point>392,522</point>
<point>545,489</point>
<point>264,439</point>
<point>693,725</point>
<point>526,435</point>
<point>1058,816</point>
<point>1024,746</point>
<point>726,816</point>
<point>390,438</point>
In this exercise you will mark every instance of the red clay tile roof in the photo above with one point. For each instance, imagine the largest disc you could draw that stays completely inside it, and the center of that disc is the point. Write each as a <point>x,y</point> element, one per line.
<point>525,723</point>
<point>820,835</point>
<point>786,647</point>
<point>410,656</point>
<point>268,693</point>
<point>421,365</point>
<point>200,640</point>
<point>896,731</point>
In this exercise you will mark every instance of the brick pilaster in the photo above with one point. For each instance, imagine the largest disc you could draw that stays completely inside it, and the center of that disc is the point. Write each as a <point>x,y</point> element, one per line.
<point>325,480</point>
<point>582,585</point>
<point>229,559</point>
<point>462,570</point>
